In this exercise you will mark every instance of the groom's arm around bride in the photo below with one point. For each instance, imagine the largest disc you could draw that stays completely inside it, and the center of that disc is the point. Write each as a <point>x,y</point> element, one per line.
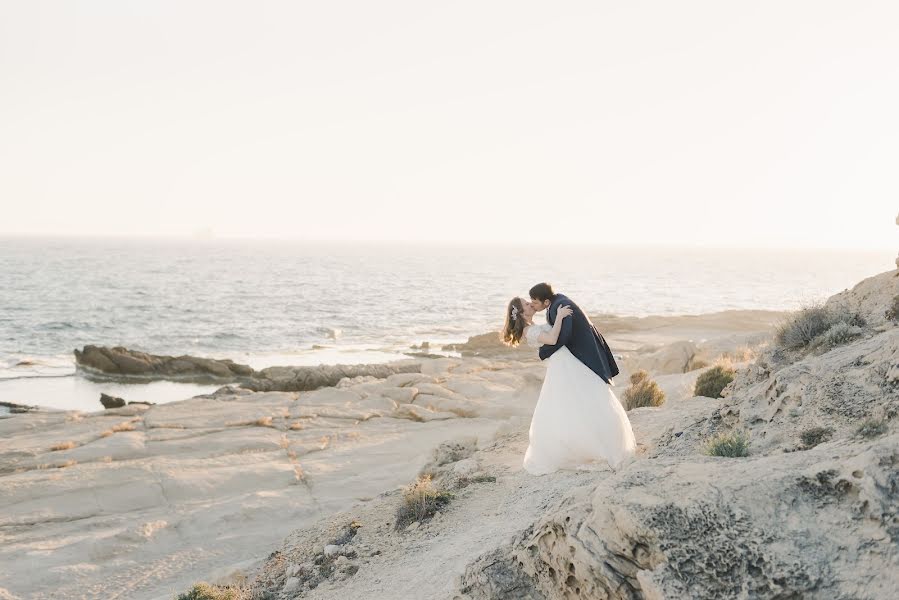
<point>578,334</point>
<point>567,326</point>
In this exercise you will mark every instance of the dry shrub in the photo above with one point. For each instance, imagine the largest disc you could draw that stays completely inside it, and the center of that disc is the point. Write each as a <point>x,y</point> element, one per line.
<point>807,328</point>
<point>207,591</point>
<point>871,428</point>
<point>694,364</point>
<point>127,426</point>
<point>892,313</point>
<point>739,355</point>
<point>643,391</point>
<point>711,383</point>
<point>813,436</point>
<point>63,446</point>
<point>838,334</point>
<point>421,500</point>
<point>730,444</point>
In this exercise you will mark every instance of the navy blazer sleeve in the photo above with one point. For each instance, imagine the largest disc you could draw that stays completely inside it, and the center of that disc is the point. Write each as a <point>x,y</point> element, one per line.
<point>564,334</point>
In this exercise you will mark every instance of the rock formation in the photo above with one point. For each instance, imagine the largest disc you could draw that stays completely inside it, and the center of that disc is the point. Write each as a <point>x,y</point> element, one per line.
<point>111,401</point>
<point>120,363</point>
<point>803,516</point>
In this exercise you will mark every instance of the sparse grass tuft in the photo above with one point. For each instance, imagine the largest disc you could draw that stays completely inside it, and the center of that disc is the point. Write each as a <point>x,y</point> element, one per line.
<point>126,426</point>
<point>263,422</point>
<point>643,391</point>
<point>711,383</point>
<point>731,444</point>
<point>63,446</point>
<point>206,591</point>
<point>871,428</point>
<point>813,436</point>
<point>421,500</point>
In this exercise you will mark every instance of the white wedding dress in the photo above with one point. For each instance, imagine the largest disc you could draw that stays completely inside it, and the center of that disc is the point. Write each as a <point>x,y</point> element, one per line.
<point>578,420</point>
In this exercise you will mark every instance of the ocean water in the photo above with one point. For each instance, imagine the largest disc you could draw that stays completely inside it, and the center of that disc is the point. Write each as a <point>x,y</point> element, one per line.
<point>272,302</point>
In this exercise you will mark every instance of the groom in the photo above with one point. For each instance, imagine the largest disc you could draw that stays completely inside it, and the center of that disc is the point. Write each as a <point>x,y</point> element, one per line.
<point>578,334</point>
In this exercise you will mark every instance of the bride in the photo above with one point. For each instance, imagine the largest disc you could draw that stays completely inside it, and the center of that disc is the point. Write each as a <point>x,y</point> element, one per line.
<point>577,419</point>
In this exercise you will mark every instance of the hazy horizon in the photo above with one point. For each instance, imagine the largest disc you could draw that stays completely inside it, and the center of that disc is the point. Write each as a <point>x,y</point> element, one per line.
<point>695,124</point>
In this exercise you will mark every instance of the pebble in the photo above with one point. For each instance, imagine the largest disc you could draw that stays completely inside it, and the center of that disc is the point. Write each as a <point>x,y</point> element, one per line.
<point>332,550</point>
<point>292,584</point>
<point>413,526</point>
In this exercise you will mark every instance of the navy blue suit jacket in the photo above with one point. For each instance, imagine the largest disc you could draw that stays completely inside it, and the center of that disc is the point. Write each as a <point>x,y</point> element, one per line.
<point>582,339</point>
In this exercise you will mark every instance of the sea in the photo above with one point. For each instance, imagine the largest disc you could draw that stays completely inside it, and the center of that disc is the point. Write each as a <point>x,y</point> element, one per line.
<point>275,302</point>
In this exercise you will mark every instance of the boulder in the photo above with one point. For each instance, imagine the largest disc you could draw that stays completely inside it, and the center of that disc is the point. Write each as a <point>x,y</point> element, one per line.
<point>111,401</point>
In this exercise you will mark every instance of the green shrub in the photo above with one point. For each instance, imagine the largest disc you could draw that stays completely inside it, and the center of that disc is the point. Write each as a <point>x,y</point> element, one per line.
<point>813,436</point>
<point>643,391</point>
<point>206,591</point>
<point>870,428</point>
<point>892,313</point>
<point>711,383</point>
<point>732,444</point>
<point>421,500</point>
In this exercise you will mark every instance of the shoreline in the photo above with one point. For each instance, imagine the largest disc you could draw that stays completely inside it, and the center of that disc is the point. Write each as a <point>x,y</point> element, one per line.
<point>146,500</point>
<point>83,388</point>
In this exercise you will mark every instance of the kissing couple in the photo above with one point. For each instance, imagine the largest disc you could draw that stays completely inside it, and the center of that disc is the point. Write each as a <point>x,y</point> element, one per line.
<point>577,420</point>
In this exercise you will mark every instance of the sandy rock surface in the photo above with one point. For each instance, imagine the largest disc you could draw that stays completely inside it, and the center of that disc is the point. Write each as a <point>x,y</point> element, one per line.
<point>139,501</point>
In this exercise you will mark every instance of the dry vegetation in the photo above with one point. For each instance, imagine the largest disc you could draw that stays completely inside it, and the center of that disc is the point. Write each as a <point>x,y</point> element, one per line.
<point>421,501</point>
<point>731,444</point>
<point>820,327</point>
<point>643,391</point>
<point>813,436</point>
<point>892,313</point>
<point>207,591</point>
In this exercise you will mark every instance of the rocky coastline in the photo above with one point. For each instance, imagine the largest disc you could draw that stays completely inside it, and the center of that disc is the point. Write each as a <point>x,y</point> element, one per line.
<point>285,483</point>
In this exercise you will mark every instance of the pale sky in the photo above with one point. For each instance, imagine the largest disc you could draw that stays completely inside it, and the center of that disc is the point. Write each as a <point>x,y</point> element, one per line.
<point>770,123</point>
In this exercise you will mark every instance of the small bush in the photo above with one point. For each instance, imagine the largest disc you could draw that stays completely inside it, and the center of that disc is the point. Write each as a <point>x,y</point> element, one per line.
<point>732,444</point>
<point>62,446</point>
<point>643,391</point>
<point>892,313</point>
<point>805,326</point>
<point>813,436</point>
<point>872,428</point>
<point>420,501</point>
<point>839,334</point>
<point>819,326</point>
<point>206,591</point>
<point>712,382</point>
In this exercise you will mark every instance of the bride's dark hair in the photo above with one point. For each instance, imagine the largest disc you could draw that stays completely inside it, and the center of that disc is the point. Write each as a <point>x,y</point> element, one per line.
<point>514,325</point>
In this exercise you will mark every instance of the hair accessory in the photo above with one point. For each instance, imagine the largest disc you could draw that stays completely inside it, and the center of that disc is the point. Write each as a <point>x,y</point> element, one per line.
<point>514,313</point>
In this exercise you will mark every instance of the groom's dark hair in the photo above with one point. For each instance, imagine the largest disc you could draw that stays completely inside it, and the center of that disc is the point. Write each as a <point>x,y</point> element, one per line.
<point>542,292</point>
